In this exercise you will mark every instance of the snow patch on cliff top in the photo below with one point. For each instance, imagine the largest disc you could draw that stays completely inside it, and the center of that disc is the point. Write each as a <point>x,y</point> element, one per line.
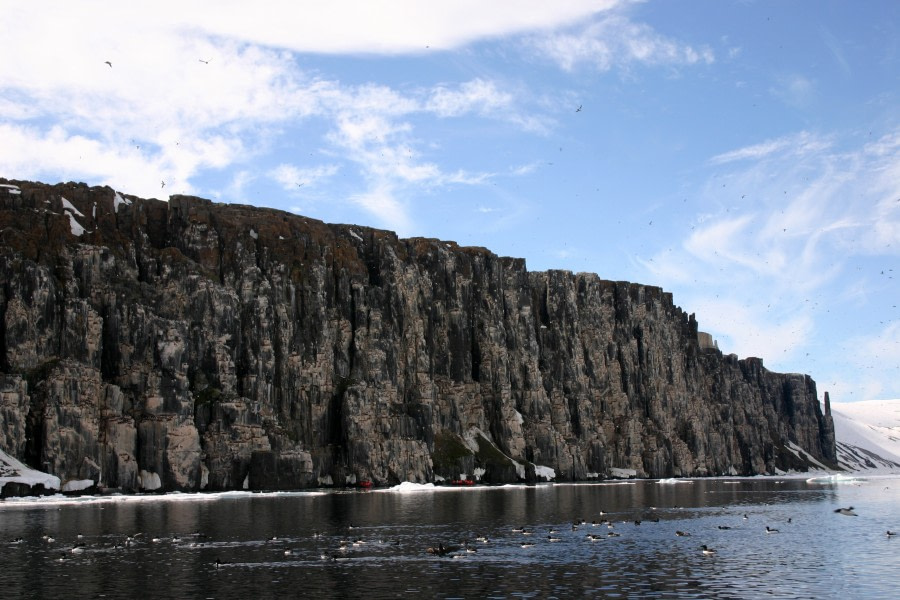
<point>118,201</point>
<point>70,211</point>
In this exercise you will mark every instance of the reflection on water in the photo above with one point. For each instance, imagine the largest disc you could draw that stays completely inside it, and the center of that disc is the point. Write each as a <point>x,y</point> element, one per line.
<point>605,540</point>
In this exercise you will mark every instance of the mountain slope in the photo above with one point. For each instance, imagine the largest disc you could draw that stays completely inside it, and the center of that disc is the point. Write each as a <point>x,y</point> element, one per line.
<point>867,435</point>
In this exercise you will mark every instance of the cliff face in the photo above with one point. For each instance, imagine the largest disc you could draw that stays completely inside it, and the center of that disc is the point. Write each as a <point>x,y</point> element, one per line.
<point>190,345</point>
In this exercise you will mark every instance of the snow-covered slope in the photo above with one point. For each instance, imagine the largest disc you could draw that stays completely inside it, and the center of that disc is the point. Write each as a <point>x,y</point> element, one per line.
<point>868,435</point>
<point>13,471</point>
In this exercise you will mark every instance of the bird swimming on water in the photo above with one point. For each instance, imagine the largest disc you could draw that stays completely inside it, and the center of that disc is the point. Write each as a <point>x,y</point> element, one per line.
<point>707,550</point>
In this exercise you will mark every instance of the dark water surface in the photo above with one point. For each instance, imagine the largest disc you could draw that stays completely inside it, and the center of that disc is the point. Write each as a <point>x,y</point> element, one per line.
<point>815,554</point>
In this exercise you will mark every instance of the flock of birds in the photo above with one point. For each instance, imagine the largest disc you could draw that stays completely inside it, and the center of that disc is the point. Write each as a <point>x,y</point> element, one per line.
<point>525,537</point>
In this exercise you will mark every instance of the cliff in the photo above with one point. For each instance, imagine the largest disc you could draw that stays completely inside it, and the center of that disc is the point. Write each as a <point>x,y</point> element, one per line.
<point>188,345</point>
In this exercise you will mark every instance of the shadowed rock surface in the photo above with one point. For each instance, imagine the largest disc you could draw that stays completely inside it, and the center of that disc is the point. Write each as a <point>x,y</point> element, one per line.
<point>187,345</point>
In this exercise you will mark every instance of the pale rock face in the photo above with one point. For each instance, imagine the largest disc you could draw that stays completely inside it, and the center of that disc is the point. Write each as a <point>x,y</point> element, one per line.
<point>187,345</point>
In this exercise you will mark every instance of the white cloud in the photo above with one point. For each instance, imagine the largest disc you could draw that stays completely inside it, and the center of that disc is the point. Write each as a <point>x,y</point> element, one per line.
<point>613,40</point>
<point>291,177</point>
<point>867,357</point>
<point>382,201</point>
<point>746,329</point>
<point>781,266</point>
<point>479,95</point>
<point>386,26</point>
<point>221,85</point>
<point>203,100</point>
<point>798,145</point>
<point>793,90</point>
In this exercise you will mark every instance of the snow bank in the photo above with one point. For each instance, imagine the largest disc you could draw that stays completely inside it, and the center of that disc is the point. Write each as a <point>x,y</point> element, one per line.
<point>13,471</point>
<point>77,485</point>
<point>622,473</point>
<point>545,472</point>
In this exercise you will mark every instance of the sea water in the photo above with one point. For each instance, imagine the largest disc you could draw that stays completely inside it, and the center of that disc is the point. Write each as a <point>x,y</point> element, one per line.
<point>606,540</point>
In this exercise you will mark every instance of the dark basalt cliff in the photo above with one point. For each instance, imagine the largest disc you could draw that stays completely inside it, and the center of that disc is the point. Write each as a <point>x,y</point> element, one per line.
<point>187,345</point>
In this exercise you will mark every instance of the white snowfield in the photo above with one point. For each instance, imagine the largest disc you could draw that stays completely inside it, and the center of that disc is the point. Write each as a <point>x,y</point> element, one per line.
<point>868,435</point>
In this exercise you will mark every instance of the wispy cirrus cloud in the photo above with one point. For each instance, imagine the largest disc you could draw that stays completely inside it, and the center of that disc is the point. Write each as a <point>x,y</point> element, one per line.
<point>800,144</point>
<point>613,40</point>
<point>794,90</point>
<point>291,177</point>
<point>806,217</point>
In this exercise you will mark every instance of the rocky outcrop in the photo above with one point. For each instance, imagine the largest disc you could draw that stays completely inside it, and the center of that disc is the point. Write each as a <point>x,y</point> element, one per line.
<point>188,345</point>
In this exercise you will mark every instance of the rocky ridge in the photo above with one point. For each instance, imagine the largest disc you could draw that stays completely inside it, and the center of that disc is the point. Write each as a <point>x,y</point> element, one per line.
<point>188,345</point>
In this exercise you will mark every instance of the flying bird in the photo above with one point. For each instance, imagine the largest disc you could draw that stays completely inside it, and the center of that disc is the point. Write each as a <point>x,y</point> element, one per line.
<point>205,62</point>
<point>578,109</point>
<point>163,184</point>
<point>108,63</point>
<point>846,511</point>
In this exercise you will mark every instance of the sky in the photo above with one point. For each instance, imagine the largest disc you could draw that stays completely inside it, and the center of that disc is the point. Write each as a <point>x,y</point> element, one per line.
<point>742,155</point>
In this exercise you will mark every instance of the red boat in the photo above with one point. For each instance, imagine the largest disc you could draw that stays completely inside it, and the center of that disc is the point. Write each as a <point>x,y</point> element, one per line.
<point>461,482</point>
<point>365,484</point>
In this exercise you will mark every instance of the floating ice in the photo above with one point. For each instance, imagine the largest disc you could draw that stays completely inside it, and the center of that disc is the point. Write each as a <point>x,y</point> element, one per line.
<point>836,478</point>
<point>409,486</point>
<point>674,480</point>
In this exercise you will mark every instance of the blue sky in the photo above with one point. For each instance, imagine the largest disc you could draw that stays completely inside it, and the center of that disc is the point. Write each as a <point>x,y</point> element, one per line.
<point>743,155</point>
